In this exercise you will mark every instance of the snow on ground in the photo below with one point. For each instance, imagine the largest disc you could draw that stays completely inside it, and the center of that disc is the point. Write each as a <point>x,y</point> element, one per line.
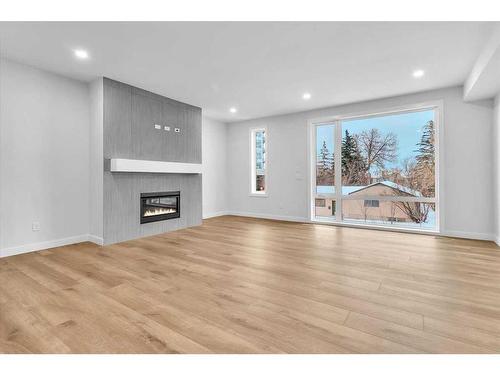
<point>426,226</point>
<point>346,190</point>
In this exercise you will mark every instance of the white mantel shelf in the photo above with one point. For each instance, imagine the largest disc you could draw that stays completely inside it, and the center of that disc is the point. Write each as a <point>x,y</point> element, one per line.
<point>150,166</point>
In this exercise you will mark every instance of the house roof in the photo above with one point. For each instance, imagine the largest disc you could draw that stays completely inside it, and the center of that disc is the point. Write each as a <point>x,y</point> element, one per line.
<point>347,190</point>
<point>392,185</point>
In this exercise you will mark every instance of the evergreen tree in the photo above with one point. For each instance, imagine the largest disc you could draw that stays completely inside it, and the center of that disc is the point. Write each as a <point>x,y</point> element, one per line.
<point>426,146</point>
<point>348,149</point>
<point>425,165</point>
<point>324,157</point>
<point>420,176</point>
<point>325,166</point>
<point>353,165</point>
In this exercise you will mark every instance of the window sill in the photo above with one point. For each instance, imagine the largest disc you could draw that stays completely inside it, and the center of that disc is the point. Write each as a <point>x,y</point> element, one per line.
<point>382,227</point>
<point>258,195</point>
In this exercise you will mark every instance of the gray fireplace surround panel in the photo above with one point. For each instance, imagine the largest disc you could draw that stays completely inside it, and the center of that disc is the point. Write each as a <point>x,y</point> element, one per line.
<point>129,118</point>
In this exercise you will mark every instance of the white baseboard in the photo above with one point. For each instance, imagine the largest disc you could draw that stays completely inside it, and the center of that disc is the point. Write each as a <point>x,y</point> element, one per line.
<point>9,251</point>
<point>95,239</point>
<point>215,214</point>
<point>270,217</point>
<point>457,234</point>
<point>99,241</point>
<point>469,235</point>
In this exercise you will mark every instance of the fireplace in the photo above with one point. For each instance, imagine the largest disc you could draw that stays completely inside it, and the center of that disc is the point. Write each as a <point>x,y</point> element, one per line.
<point>160,206</point>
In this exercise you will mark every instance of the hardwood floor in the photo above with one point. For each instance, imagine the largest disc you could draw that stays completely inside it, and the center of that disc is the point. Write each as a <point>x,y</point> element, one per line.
<point>241,285</point>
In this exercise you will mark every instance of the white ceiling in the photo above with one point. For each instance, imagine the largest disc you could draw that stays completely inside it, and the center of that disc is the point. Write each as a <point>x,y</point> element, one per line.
<point>260,68</point>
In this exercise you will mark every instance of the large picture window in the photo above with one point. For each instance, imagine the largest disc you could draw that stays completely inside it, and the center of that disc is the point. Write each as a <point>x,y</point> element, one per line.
<point>386,170</point>
<point>258,171</point>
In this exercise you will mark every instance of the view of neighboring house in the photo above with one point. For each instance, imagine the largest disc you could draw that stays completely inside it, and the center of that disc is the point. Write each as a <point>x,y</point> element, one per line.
<point>367,209</point>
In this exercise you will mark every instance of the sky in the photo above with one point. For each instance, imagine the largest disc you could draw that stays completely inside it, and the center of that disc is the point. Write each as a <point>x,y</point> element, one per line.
<point>406,126</point>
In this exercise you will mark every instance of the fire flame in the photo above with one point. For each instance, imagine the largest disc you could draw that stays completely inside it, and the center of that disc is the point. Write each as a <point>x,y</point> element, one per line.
<point>158,211</point>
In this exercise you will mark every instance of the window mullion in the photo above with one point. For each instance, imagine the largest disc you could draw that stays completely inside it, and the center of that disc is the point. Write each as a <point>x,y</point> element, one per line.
<point>338,169</point>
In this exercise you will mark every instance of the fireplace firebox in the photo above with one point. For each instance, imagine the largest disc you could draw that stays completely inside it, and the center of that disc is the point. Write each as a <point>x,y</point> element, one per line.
<point>160,206</point>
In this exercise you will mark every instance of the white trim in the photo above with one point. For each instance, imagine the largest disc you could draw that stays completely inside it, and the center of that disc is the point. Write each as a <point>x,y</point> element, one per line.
<point>497,240</point>
<point>382,227</point>
<point>259,195</point>
<point>215,214</point>
<point>337,149</point>
<point>387,198</point>
<point>311,162</point>
<point>421,106</point>
<point>451,234</point>
<point>336,121</point>
<point>439,166</point>
<point>95,239</point>
<point>469,235</point>
<point>151,166</point>
<point>15,250</point>
<point>269,216</point>
<point>252,191</point>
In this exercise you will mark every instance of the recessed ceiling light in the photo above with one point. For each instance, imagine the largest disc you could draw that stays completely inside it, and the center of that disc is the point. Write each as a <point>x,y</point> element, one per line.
<point>233,110</point>
<point>418,73</point>
<point>81,54</point>
<point>306,96</point>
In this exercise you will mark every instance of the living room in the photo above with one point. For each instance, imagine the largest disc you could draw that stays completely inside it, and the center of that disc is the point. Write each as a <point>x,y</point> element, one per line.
<point>249,187</point>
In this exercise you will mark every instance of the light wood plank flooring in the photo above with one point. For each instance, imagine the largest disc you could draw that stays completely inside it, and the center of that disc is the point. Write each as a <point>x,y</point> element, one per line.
<point>242,285</point>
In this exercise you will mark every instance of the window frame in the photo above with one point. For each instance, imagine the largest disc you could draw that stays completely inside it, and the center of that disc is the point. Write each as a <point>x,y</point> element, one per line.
<point>253,167</point>
<point>336,120</point>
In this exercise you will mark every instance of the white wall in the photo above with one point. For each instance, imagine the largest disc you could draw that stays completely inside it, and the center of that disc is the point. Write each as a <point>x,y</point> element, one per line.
<point>44,158</point>
<point>496,163</point>
<point>466,179</point>
<point>214,167</point>
<point>96,157</point>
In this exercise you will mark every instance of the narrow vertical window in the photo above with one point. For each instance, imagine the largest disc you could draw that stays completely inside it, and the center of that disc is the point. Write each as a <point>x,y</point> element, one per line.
<point>258,162</point>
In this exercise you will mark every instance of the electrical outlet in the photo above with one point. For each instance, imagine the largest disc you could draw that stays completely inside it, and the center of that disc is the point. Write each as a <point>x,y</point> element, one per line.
<point>167,128</point>
<point>157,127</point>
<point>177,130</point>
<point>35,226</point>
